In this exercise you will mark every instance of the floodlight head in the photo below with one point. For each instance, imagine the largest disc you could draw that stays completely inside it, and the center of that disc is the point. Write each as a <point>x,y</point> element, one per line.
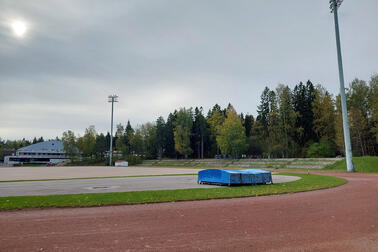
<point>113,98</point>
<point>334,3</point>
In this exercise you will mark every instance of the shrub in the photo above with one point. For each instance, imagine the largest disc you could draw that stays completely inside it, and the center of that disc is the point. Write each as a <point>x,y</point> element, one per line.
<point>87,162</point>
<point>321,150</point>
<point>134,160</point>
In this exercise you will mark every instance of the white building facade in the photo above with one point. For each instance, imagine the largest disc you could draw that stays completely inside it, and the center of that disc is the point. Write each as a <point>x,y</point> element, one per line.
<point>48,152</point>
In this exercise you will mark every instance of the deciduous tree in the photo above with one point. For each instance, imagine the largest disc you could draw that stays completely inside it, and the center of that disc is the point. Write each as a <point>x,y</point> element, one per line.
<point>69,144</point>
<point>182,130</point>
<point>324,115</point>
<point>231,135</point>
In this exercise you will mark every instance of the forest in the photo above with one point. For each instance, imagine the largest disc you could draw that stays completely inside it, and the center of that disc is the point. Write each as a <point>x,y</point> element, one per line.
<point>305,121</point>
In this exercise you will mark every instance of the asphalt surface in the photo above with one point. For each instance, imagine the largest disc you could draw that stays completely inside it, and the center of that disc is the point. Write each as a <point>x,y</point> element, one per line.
<point>344,218</point>
<point>109,185</point>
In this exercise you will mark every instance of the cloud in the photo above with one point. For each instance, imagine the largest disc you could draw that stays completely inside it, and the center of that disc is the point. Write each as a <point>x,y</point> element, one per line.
<point>162,55</point>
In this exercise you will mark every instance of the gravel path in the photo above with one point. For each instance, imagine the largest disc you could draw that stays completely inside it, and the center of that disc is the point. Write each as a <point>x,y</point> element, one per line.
<point>338,219</point>
<point>109,185</point>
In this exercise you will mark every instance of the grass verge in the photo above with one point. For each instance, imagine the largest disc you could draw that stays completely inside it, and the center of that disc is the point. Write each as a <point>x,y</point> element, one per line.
<point>361,164</point>
<point>307,183</point>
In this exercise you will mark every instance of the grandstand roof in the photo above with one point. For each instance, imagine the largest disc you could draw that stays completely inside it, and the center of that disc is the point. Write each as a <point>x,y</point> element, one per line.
<point>54,145</point>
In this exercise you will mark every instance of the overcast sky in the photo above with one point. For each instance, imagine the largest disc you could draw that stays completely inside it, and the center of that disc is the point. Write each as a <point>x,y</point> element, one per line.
<point>161,55</point>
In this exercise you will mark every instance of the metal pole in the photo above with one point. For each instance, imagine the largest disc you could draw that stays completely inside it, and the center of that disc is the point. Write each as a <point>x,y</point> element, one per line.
<point>112,99</point>
<point>348,148</point>
<point>111,137</point>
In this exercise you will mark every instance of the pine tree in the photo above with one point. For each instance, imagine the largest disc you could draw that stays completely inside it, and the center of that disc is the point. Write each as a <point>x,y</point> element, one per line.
<point>100,146</point>
<point>199,132</point>
<point>169,129</point>
<point>303,97</point>
<point>287,118</point>
<point>263,111</point>
<point>127,138</point>
<point>107,138</point>
<point>273,142</point>
<point>261,132</point>
<point>248,124</point>
<point>256,145</point>
<point>161,136</point>
<point>149,134</point>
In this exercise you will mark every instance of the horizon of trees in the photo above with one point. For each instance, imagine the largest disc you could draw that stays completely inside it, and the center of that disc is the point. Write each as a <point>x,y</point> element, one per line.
<point>305,121</point>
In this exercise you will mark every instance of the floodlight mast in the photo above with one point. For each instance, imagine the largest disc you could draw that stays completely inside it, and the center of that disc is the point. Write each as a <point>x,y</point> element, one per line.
<point>334,5</point>
<point>112,99</point>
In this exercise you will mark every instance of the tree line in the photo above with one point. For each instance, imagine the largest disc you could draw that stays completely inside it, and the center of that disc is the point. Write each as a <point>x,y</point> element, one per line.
<point>7,147</point>
<point>305,121</point>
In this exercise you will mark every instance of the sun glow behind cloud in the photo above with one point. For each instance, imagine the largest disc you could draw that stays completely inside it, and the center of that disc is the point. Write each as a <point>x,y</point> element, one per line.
<point>19,28</point>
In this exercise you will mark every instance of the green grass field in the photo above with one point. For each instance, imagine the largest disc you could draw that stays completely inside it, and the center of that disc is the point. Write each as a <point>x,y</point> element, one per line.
<point>361,164</point>
<point>307,183</point>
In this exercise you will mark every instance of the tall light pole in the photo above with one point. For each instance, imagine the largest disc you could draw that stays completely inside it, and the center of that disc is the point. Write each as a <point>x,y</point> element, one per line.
<point>112,99</point>
<point>334,5</point>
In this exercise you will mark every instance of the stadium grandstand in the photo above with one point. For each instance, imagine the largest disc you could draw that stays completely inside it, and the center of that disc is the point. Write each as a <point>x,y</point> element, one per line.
<point>48,152</point>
